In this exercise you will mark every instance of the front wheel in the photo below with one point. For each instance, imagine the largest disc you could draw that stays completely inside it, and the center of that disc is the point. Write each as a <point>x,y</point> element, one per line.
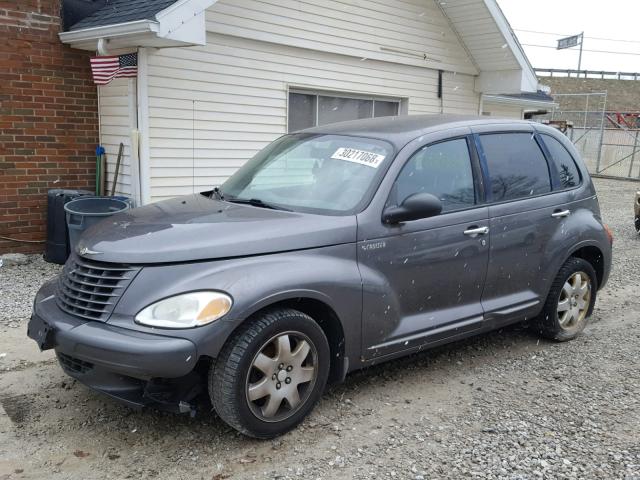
<point>570,301</point>
<point>270,374</point>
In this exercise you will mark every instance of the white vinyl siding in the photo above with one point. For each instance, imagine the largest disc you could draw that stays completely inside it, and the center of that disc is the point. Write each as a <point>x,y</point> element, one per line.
<point>478,30</point>
<point>117,119</point>
<point>399,31</point>
<point>211,108</point>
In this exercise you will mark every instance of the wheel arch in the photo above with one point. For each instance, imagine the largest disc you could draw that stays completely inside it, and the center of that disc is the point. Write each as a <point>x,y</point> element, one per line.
<point>326,317</point>
<point>593,255</point>
<point>589,251</point>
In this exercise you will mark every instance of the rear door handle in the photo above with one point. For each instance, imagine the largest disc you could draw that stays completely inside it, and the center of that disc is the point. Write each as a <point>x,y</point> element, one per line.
<point>561,213</point>
<point>475,231</point>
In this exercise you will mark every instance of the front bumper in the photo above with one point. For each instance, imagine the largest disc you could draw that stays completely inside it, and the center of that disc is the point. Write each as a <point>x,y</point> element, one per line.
<point>116,361</point>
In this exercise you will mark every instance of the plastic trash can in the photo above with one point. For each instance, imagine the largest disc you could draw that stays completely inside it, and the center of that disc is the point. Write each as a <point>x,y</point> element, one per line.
<point>57,246</point>
<point>84,212</point>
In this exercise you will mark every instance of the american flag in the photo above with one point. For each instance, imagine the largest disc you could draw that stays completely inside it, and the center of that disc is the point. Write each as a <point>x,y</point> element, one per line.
<point>105,69</point>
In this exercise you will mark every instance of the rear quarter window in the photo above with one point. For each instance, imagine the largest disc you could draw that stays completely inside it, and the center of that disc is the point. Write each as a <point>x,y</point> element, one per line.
<point>516,166</point>
<point>566,173</point>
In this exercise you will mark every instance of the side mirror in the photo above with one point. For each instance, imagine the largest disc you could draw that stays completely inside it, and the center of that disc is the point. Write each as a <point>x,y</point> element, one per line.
<point>414,207</point>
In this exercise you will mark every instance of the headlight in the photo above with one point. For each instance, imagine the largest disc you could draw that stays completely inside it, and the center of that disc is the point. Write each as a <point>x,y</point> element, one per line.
<point>186,311</point>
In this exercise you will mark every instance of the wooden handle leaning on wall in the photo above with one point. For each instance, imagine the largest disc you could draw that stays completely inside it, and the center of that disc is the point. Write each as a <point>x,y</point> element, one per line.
<point>115,175</point>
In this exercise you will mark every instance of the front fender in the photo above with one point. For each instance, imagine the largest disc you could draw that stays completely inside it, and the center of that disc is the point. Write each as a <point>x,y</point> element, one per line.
<point>329,275</point>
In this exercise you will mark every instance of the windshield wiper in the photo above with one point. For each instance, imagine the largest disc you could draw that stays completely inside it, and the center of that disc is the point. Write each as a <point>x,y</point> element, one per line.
<point>256,202</point>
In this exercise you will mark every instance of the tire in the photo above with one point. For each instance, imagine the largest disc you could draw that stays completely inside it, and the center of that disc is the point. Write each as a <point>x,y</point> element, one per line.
<point>256,371</point>
<point>565,322</point>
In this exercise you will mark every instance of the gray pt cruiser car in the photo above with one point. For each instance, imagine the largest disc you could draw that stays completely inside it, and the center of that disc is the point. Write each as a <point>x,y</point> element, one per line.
<point>332,249</point>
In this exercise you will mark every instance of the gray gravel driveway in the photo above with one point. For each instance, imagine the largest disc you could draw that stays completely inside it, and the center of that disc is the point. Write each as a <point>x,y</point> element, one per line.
<point>505,405</point>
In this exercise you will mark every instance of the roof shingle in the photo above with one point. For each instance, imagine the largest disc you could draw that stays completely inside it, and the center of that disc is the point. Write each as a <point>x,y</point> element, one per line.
<point>123,11</point>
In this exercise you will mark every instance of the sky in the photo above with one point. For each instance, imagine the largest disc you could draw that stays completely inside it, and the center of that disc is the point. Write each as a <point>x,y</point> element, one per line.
<point>604,19</point>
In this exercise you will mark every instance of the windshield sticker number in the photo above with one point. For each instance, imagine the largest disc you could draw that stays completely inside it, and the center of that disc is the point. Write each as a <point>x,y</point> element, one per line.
<point>362,157</point>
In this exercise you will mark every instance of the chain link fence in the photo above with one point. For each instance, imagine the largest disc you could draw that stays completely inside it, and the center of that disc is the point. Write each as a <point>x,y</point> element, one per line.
<point>607,146</point>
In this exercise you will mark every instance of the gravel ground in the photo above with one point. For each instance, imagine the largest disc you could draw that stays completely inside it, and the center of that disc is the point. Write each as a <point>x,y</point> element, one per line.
<point>505,405</point>
<point>18,287</point>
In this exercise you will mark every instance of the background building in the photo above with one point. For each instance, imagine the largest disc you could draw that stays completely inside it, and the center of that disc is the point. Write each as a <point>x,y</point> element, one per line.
<point>218,80</point>
<point>261,69</point>
<point>48,119</point>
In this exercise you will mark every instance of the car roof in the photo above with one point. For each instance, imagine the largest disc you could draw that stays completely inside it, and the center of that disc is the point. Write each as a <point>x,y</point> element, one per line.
<point>401,129</point>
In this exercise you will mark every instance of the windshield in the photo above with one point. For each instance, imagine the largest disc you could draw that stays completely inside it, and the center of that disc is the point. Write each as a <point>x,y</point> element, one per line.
<point>331,174</point>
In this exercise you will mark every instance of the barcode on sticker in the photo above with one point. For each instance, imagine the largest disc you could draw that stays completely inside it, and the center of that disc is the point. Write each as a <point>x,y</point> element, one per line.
<point>362,157</point>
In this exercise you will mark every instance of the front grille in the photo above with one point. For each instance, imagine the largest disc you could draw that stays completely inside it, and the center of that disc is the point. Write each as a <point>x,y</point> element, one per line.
<point>74,365</point>
<point>90,289</point>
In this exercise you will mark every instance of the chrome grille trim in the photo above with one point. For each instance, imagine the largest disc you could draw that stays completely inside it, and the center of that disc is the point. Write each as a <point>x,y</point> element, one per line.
<point>90,289</point>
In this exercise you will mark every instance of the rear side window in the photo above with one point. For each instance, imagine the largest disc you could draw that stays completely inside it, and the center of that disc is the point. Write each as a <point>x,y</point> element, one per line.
<point>442,169</point>
<point>567,172</point>
<point>517,167</point>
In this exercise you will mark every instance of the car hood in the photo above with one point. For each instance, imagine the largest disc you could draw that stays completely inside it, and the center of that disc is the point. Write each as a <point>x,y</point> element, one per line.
<point>196,227</point>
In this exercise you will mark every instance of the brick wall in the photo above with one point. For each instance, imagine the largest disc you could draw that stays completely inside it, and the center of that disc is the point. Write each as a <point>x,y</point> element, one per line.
<point>48,119</point>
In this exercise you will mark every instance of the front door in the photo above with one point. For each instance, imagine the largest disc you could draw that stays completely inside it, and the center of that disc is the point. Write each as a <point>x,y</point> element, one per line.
<point>423,279</point>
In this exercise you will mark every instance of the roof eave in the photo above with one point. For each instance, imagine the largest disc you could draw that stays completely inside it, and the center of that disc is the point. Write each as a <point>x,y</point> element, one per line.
<point>522,102</point>
<point>109,31</point>
<point>180,24</point>
<point>529,78</point>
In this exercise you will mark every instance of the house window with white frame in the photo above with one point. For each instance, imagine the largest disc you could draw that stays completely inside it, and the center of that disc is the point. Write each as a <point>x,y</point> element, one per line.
<point>309,109</point>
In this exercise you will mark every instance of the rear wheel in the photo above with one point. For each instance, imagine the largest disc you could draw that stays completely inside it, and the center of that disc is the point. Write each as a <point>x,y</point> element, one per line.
<point>271,374</point>
<point>570,301</point>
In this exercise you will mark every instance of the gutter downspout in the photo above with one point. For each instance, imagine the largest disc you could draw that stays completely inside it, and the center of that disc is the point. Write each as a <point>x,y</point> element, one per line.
<point>143,126</point>
<point>102,47</point>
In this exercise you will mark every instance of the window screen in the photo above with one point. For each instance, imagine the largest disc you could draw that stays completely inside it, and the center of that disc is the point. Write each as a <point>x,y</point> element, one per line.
<point>336,109</point>
<point>444,170</point>
<point>311,109</point>
<point>302,111</point>
<point>517,167</point>
<point>566,169</point>
<point>385,109</point>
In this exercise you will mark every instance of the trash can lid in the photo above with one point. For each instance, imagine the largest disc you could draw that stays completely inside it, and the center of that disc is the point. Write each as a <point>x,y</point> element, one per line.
<point>96,206</point>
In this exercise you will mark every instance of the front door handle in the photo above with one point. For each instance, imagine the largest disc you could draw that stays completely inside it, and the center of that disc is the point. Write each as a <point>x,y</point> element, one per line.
<point>561,213</point>
<point>475,231</point>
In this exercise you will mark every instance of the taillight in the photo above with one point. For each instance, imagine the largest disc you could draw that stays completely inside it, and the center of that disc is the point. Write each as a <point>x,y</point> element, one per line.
<point>609,234</point>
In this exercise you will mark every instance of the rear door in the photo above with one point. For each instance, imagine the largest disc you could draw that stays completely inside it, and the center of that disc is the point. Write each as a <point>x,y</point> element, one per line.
<point>524,215</point>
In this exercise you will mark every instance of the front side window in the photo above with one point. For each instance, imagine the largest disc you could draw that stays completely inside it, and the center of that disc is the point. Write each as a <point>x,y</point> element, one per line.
<point>312,109</point>
<point>517,167</point>
<point>444,170</point>
<point>567,172</point>
<point>330,174</point>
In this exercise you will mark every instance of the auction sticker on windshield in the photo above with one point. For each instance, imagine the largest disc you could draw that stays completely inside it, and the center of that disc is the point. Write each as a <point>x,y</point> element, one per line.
<point>362,157</point>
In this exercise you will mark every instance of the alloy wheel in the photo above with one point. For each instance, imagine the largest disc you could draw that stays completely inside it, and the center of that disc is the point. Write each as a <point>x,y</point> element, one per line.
<point>574,301</point>
<point>282,376</point>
